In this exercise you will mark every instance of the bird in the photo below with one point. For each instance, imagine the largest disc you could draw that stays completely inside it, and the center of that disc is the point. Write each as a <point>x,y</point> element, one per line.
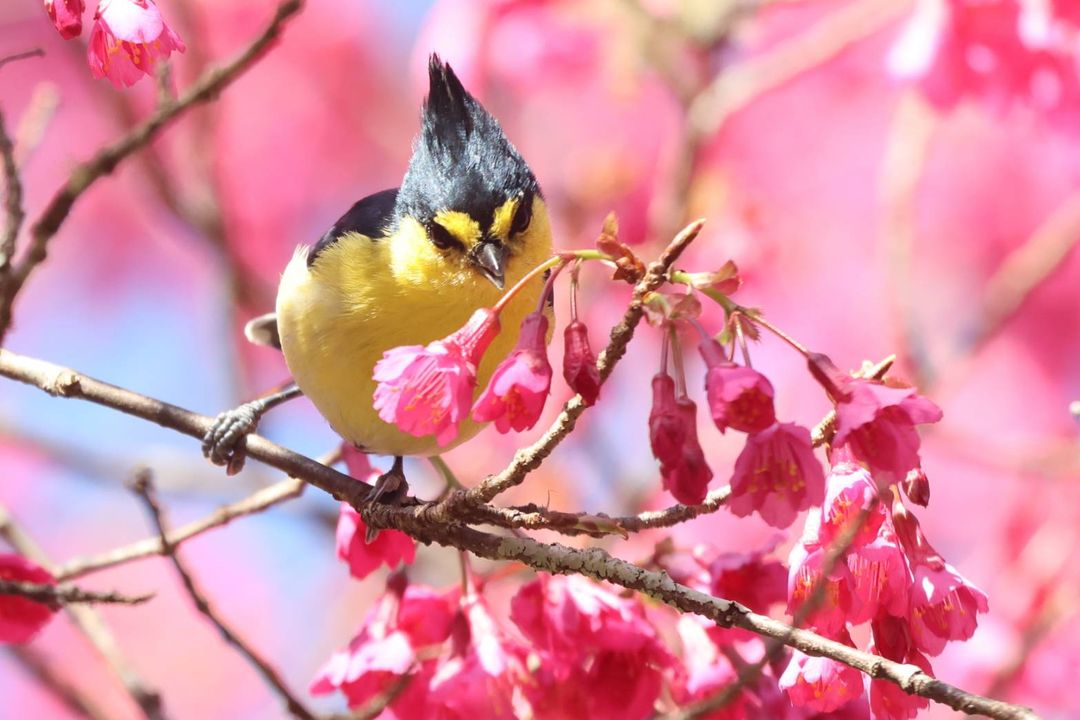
<point>404,266</point>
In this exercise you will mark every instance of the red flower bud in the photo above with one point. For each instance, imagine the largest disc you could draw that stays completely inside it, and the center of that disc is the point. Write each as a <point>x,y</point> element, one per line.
<point>579,363</point>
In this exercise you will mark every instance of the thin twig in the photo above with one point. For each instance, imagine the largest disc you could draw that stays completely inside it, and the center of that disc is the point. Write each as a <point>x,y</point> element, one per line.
<point>69,695</point>
<point>90,624</point>
<point>13,208</point>
<point>144,489</point>
<point>528,459</point>
<point>1023,270</point>
<point>36,52</point>
<point>258,501</point>
<point>206,88</point>
<point>56,596</point>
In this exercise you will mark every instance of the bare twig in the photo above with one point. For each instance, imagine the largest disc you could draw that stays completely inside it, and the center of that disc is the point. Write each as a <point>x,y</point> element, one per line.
<point>907,149</point>
<point>257,502</point>
<point>13,208</point>
<point>536,517</point>
<point>56,596</point>
<point>70,696</point>
<point>145,490</point>
<point>742,83</point>
<point>528,459</point>
<point>63,382</point>
<point>1024,269</point>
<point>36,52</point>
<point>205,89</point>
<point>90,624</point>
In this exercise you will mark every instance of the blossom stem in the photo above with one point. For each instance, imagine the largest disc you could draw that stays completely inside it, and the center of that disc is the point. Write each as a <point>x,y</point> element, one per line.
<point>549,286</point>
<point>529,276</point>
<point>575,271</point>
<point>664,352</point>
<point>762,322</point>
<point>676,353</point>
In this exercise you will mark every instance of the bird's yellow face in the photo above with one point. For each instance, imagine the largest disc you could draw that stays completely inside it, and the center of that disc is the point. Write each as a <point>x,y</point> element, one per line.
<point>458,249</point>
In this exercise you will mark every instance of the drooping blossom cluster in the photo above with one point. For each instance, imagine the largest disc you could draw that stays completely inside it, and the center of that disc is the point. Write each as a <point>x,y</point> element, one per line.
<point>20,618</point>
<point>1003,52</point>
<point>126,41</point>
<point>776,474</point>
<point>428,390</point>
<point>575,650</point>
<point>887,574</point>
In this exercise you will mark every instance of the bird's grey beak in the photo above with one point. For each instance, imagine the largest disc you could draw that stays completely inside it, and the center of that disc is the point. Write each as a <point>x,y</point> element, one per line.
<point>491,258</point>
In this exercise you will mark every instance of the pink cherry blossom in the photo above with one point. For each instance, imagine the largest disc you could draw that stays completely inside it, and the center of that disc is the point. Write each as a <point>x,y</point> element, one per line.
<point>849,490</point>
<point>943,605</point>
<point>806,572</point>
<point>597,655</point>
<point>128,38</point>
<point>891,640</point>
<point>478,679</point>
<point>879,579</point>
<point>819,683</point>
<point>751,579</point>
<point>705,669</point>
<point>402,629</point>
<point>579,363</point>
<point>390,548</point>
<point>520,385</point>
<point>739,397</point>
<point>877,424</point>
<point>22,619</point>
<point>429,390</point>
<point>777,475</point>
<point>66,15</point>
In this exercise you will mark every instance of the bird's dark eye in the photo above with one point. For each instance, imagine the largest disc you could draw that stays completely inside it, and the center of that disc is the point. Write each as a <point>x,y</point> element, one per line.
<point>522,217</point>
<point>441,237</point>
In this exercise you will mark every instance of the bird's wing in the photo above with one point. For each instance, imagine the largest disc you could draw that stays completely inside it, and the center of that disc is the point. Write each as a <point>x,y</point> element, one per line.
<point>369,217</point>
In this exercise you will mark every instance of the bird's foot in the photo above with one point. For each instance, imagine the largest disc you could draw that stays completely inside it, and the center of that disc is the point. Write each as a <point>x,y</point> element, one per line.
<point>223,443</point>
<point>390,489</point>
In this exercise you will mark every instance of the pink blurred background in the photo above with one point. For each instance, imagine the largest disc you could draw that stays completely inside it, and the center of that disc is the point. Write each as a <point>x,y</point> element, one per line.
<point>870,214</point>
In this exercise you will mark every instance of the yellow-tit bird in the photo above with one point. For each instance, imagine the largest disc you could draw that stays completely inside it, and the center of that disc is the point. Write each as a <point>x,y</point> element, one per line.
<point>406,266</point>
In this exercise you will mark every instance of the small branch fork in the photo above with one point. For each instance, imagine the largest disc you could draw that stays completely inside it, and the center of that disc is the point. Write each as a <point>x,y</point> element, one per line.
<point>203,90</point>
<point>144,488</point>
<point>443,522</point>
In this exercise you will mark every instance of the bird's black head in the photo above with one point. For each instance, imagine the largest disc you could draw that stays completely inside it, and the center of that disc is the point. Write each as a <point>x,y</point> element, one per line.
<point>466,184</point>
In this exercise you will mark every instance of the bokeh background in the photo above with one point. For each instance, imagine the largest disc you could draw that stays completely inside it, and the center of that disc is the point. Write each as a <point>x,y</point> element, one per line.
<point>885,184</point>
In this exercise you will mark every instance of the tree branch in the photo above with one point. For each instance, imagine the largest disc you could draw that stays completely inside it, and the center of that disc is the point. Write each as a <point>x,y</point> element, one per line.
<point>56,596</point>
<point>206,88</point>
<point>68,694</point>
<point>428,523</point>
<point>144,489</point>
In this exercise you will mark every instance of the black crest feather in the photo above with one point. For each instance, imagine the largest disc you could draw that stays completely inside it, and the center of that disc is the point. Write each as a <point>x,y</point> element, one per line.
<point>461,159</point>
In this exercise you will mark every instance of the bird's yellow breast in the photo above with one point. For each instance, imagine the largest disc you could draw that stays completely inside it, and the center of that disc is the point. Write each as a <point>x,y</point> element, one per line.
<point>363,296</point>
